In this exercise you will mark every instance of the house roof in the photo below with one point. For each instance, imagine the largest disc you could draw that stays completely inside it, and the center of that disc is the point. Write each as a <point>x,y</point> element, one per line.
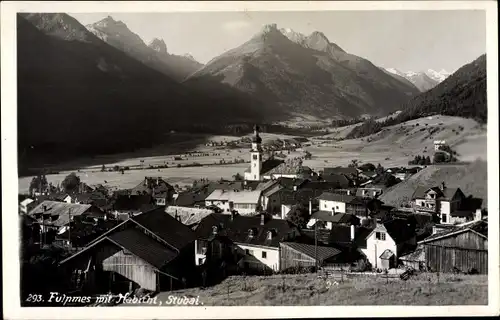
<point>336,218</point>
<point>445,194</point>
<point>133,202</point>
<point>60,209</point>
<point>417,255</point>
<point>237,229</point>
<point>186,217</point>
<point>329,196</point>
<point>152,186</point>
<point>359,192</point>
<point>301,196</point>
<point>272,190</point>
<point>480,227</point>
<point>340,170</point>
<point>387,254</point>
<point>244,196</point>
<point>189,198</point>
<point>320,252</point>
<point>263,186</point>
<point>269,165</point>
<point>400,230</point>
<point>166,227</point>
<point>462,213</point>
<point>293,166</point>
<point>322,185</point>
<point>290,183</point>
<point>339,235</point>
<point>339,180</point>
<point>27,201</point>
<point>143,246</point>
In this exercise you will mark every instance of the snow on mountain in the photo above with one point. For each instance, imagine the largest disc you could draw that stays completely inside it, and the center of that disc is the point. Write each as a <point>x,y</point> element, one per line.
<point>439,76</point>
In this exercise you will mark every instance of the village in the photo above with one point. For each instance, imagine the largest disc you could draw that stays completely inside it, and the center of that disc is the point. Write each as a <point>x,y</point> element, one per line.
<point>278,217</point>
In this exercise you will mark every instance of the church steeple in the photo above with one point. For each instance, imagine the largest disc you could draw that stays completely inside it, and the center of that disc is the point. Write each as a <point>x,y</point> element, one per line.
<point>255,156</point>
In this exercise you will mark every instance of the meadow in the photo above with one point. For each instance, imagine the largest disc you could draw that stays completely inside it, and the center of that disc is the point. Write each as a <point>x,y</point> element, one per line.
<point>310,290</point>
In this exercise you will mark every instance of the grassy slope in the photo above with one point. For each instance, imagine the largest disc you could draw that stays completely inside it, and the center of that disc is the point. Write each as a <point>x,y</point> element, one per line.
<point>472,180</point>
<point>360,290</point>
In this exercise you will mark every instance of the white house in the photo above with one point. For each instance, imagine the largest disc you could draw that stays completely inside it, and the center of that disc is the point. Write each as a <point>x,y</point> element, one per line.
<point>255,240</point>
<point>243,201</point>
<point>438,144</point>
<point>26,205</point>
<point>443,201</point>
<point>387,242</point>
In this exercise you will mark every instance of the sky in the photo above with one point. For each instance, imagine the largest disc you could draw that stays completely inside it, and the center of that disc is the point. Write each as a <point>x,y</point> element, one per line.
<point>405,40</point>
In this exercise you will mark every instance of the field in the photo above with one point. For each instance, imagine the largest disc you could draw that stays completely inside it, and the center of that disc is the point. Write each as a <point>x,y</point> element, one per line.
<point>308,289</point>
<point>394,146</point>
<point>471,179</point>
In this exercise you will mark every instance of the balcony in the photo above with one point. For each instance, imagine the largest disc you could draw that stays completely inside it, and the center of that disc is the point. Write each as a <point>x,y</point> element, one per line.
<point>425,209</point>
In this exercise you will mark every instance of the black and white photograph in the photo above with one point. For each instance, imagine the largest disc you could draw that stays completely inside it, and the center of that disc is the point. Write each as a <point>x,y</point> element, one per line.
<point>267,154</point>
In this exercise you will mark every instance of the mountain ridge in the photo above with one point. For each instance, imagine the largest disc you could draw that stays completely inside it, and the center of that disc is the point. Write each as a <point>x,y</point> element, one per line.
<point>313,77</point>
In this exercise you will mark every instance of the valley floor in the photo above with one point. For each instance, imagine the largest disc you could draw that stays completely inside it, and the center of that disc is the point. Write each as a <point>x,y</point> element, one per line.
<point>310,290</point>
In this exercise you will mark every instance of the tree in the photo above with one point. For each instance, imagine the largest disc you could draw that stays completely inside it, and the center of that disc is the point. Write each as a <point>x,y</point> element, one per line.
<point>379,169</point>
<point>71,182</point>
<point>103,168</point>
<point>237,177</point>
<point>353,164</point>
<point>367,167</point>
<point>38,183</point>
<point>299,216</point>
<point>439,157</point>
<point>427,160</point>
<point>308,155</point>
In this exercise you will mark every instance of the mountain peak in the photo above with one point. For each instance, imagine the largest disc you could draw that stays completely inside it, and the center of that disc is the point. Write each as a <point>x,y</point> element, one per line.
<point>158,45</point>
<point>269,28</point>
<point>293,35</point>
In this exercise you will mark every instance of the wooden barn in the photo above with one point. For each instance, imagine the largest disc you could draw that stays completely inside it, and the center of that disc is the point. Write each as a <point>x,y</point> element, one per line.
<point>301,255</point>
<point>464,249</point>
<point>152,251</point>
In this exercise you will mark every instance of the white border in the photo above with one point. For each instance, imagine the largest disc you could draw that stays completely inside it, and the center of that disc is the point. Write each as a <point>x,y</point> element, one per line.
<point>9,163</point>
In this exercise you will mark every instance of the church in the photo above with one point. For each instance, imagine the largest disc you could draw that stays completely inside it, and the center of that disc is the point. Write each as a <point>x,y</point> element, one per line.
<point>271,168</point>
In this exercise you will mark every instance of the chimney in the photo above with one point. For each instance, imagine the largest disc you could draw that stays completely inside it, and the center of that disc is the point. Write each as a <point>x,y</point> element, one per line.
<point>333,211</point>
<point>232,215</point>
<point>478,215</point>
<point>262,219</point>
<point>310,207</point>
<point>294,188</point>
<point>443,186</point>
<point>348,192</point>
<point>352,232</point>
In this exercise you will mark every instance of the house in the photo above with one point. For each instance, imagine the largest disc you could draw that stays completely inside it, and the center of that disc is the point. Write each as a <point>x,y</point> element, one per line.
<point>291,168</point>
<point>388,241</point>
<point>271,196</point>
<point>438,144</point>
<point>326,219</point>
<point>302,196</point>
<point>125,206</point>
<point>442,200</point>
<point>244,202</point>
<point>83,231</point>
<point>161,191</point>
<point>302,255</point>
<point>339,181</point>
<point>26,205</point>
<point>369,192</point>
<point>348,171</point>
<point>152,251</point>
<point>255,240</point>
<point>339,203</point>
<point>460,248</point>
<point>53,215</point>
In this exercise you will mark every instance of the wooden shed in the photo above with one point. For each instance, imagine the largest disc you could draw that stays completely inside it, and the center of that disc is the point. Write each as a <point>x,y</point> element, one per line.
<point>293,255</point>
<point>464,248</point>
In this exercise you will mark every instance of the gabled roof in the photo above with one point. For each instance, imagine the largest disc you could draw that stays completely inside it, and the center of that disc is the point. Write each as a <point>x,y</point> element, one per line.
<point>27,201</point>
<point>272,190</point>
<point>269,165</point>
<point>244,196</point>
<point>236,229</point>
<point>152,186</point>
<point>143,246</point>
<point>301,196</point>
<point>400,230</point>
<point>339,235</point>
<point>320,252</point>
<point>166,227</point>
<point>133,202</point>
<point>293,166</point>
<point>340,170</point>
<point>329,196</point>
<point>340,180</point>
<point>327,216</point>
<point>480,227</point>
<point>445,194</point>
<point>62,210</point>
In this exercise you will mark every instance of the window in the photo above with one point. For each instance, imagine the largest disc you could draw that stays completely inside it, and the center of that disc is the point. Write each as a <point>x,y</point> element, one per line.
<point>380,236</point>
<point>255,157</point>
<point>324,205</point>
<point>254,176</point>
<point>200,261</point>
<point>264,255</point>
<point>444,218</point>
<point>247,251</point>
<point>337,207</point>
